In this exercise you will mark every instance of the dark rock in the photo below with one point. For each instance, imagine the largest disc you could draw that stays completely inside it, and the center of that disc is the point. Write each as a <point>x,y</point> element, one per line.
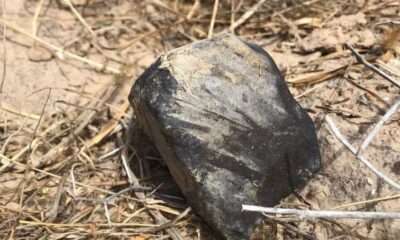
<point>228,129</point>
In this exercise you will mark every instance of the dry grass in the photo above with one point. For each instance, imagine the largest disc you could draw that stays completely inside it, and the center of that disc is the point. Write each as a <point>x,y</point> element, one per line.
<point>61,171</point>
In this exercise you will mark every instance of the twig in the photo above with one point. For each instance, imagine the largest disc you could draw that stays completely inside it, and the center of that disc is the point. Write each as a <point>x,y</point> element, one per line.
<point>86,225</point>
<point>291,228</point>
<point>3,78</point>
<point>362,60</point>
<point>341,110</point>
<point>7,161</point>
<point>294,29</point>
<point>233,12</point>
<point>159,218</point>
<point>21,212</point>
<point>131,177</point>
<point>246,15</point>
<point>59,177</point>
<point>146,34</point>
<point>105,201</point>
<point>60,51</point>
<point>393,22</point>
<point>54,208</point>
<point>162,5</point>
<point>19,112</point>
<point>73,182</point>
<point>322,213</point>
<point>193,10</point>
<point>111,153</point>
<point>370,92</point>
<point>328,18</point>
<point>29,161</point>
<point>394,70</point>
<point>368,201</point>
<point>213,16</point>
<point>40,118</point>
<point>8,140</point>
<point>378,126</point>
<point>35,18</point>
<point>302,4</point>
<point>80,18</point>
<point>318,77</point>
<point>109,126</point>
<point>341,138</point>
<point>297,231</point>
<point>83,119</point>
<point>170,223</point>
<point>310,90</point>
<point>95,41</point>
<point>132,187</point>
<point>106,213</point>
<point>86,118</point>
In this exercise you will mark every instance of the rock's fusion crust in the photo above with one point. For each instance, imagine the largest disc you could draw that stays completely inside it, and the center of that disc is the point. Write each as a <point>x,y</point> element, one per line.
<point>228,128</point>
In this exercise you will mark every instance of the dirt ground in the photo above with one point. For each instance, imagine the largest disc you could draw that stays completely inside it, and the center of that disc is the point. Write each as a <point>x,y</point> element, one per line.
<point>64,113</point>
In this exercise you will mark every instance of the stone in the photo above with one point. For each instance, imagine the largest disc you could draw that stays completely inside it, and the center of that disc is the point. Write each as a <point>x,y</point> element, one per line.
<point>223,119</point>
<point>39,54</point>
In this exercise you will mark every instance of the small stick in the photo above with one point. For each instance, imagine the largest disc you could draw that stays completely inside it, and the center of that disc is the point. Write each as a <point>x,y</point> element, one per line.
<point>56,202</point>
<point>294,29</point>
<point>322,213</point>
<point>19,112</point>
<point>59,177</point>
<point>378,126</point>
<point>296,230</point>
<point>233,8</point>
<point>35,18</point>
<point>96,43</point>
<point>291,228</point>
<point>80,18</point>
<point>107,213</point>
<point>109,126</point>
<point>132,187</point>
<point>85,118</point>
<point>193,10</point>
<point>3,78</point>
<point>19,211</point>
<point>246,15</point>
<point>159,218</point>
<point>60,51</point>
<point>387,105</point>
<point>393,22</point>
<point>73,182</point>
<point>40,118</point>
<point>371,67</point>
<point>8,140</point>
<point>303,4</point>
<point>162,5</point>
<point>145,35</point>
<point>107,199</point>
<point>170,223</point>
<point>375,200</point>
<point>129,173</point>
<point>341,138</point>
<point>29,161</point>
<point>214,15</point>
<point>111,153</point>
<point>85,225</point>
<point>310,90</point>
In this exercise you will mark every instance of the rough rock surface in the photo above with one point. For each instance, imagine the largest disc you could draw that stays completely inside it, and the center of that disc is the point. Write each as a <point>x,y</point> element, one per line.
<point>228,128</point>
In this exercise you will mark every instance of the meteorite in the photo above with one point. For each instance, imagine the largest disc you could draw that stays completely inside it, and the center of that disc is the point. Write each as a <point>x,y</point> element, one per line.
<point>223,119</point>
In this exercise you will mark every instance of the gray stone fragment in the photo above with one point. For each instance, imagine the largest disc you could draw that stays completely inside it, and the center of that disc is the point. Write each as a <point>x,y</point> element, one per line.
<point>228,129</point>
